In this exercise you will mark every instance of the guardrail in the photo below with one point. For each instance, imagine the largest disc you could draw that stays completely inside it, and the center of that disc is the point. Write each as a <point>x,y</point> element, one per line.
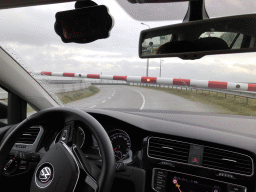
<point>159,80</point>
<point>246,94</point>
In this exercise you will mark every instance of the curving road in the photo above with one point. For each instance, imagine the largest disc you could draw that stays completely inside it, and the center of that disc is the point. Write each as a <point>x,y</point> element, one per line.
<point>121,96</point>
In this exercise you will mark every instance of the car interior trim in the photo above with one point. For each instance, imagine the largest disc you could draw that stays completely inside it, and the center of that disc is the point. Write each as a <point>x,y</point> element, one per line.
<point>200,165</point>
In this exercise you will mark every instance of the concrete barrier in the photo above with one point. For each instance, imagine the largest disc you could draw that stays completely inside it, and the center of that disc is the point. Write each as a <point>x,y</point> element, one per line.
<point>56,88</point>
<point>61,88</point>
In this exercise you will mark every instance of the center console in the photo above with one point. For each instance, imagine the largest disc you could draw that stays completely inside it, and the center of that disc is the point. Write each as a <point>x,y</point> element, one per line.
<point>170,181</point>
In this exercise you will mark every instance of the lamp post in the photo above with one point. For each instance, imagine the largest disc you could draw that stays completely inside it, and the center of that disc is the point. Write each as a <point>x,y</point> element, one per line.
<point>147,59</point>
<point>161,60</point>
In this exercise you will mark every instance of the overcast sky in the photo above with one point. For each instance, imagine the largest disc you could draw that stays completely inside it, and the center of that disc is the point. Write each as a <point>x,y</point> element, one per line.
<point>29,33</point>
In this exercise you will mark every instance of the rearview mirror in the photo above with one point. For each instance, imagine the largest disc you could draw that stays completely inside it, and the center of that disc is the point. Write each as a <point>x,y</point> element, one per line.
<point>196,39</point>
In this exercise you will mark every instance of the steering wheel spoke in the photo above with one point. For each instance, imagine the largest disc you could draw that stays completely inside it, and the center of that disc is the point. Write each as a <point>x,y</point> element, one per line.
<point>86,168</point>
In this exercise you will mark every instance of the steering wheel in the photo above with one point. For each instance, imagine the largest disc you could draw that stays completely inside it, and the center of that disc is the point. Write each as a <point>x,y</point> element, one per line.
<point>64,167</point>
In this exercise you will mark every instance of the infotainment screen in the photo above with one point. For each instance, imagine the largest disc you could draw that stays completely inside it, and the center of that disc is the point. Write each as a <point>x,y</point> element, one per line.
<point>179,183</point>
<point>170,181</point>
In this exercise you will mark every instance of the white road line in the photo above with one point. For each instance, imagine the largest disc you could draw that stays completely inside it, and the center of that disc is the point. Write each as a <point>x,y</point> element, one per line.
<point>143,98</point>
<point>103,101</point>
<point>92,106</point>
<point>109,98</point>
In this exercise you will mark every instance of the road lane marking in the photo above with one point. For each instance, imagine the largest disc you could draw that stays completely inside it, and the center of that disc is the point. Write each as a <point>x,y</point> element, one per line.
<point>109,98</point>
<point>92,106</point>
<point>103,101</point>
<point>113,92</point>
<point>143,98</point>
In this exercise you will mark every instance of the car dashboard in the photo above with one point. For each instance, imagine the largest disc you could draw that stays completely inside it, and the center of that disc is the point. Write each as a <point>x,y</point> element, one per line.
<point>163,152</point>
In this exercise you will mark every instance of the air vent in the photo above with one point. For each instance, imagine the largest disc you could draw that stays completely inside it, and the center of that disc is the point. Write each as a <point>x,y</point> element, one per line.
<point>227,161</point>
<point>29,136</point>
<point>166,149</point>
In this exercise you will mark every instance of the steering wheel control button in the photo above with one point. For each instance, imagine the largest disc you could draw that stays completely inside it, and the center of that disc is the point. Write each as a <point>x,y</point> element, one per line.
<point>44,175</point>
<point>25,156</point>
<point>34,157</point>
<point>120,167</point>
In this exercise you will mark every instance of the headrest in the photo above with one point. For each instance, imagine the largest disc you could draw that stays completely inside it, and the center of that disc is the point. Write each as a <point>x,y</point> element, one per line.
<point>210,44</point>
<point>176,47</point>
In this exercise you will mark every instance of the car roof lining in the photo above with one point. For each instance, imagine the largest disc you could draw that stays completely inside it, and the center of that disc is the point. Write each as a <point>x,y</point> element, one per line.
<point>25,3</point>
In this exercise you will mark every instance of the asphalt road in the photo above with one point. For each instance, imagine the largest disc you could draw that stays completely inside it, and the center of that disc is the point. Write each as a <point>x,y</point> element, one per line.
<point>126,97</point>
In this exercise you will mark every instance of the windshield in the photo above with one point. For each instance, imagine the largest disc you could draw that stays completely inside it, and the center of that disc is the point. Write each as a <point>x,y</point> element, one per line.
<point>81,75</point>
<point>221,8</point>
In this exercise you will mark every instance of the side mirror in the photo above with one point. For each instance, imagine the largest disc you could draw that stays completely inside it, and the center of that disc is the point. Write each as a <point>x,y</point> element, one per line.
<point>84,25</point>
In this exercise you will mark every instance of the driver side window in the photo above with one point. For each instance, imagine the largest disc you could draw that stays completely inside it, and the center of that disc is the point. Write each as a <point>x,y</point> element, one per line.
<point>8,112</point>
<point>3,107</point>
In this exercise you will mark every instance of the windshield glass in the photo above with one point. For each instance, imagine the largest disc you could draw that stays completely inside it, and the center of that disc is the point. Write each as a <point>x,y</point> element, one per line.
<point>81,75</point>
<point>221,8</point>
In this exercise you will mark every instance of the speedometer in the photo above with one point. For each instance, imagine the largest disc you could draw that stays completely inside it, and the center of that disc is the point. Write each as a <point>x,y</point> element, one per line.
<point>121,143</point>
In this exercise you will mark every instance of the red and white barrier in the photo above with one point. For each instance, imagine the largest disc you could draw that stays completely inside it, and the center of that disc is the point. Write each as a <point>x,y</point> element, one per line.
<point>159,80</point>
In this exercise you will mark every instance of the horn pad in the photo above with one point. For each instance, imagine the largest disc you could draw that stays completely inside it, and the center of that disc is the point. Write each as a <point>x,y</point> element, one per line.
<point>57,171</point>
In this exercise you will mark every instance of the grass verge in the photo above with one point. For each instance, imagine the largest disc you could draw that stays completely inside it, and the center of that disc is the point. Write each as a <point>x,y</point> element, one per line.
<point>77,95</point>
<point>224,105</point>
<point>68,96</point>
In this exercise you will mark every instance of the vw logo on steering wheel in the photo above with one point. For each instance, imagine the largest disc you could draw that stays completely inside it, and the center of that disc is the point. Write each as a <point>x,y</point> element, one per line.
<point>45,174</point>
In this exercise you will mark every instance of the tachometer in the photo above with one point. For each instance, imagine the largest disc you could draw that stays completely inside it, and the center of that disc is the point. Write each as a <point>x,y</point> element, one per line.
<point>121,143</point>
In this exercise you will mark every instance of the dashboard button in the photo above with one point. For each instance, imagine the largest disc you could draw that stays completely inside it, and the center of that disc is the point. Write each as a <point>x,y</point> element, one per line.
<point>233,188</point>
<point>195,160</point>
<point>159,180</point>
<point>23,165</point>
